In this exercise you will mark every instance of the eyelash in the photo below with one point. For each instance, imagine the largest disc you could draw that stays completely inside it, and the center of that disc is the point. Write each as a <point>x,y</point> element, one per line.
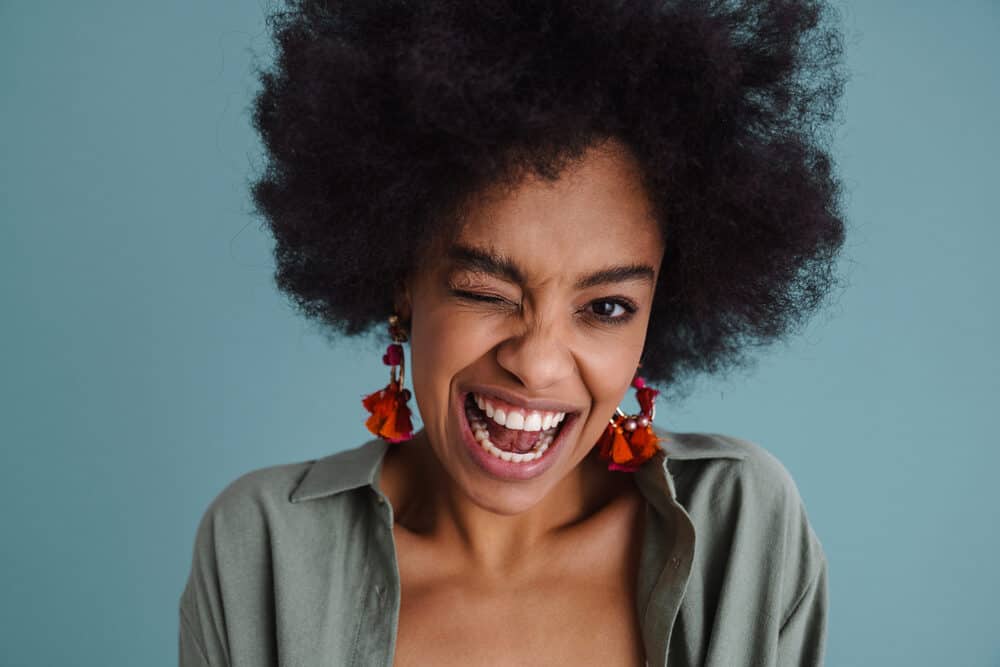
<point>627,304</point>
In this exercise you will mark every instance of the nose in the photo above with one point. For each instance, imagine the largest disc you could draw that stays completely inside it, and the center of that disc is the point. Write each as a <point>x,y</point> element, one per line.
<point>539,357</point>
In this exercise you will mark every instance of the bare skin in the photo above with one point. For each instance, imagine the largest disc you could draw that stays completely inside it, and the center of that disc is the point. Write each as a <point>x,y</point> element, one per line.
<point>553,308</point>
<point>567,599</point>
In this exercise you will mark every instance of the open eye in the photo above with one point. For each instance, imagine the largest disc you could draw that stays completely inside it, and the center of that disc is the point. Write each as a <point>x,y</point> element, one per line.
<point>612,310</point>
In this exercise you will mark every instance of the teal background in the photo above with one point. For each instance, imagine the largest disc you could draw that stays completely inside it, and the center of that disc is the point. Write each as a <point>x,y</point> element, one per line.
<point>147,360</point>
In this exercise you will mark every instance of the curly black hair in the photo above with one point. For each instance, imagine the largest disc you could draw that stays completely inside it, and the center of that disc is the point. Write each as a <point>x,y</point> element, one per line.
<point>381,117</point>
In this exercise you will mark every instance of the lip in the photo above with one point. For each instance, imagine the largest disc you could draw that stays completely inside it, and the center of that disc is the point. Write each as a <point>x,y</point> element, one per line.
<point>508,470</point>
<point>541,404</point>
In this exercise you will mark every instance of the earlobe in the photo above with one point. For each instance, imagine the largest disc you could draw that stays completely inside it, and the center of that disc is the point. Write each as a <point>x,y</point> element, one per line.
<point>401,303</point>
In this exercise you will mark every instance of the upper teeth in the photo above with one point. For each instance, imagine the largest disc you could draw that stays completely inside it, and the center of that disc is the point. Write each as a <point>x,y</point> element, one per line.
<point>518,419</point>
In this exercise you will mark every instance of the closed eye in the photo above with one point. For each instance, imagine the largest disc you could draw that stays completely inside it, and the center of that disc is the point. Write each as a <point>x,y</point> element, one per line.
<point>481,298</point>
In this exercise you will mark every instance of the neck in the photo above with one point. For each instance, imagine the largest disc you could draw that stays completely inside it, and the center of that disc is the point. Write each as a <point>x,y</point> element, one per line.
<point>430,505</point>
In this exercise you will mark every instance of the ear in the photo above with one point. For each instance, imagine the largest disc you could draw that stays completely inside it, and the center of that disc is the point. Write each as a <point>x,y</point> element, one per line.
<point>401,303</point>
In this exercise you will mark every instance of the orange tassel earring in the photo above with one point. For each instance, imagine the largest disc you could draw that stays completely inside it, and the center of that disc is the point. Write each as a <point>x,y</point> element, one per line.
<point>390,416</point>
<point>629,441</point>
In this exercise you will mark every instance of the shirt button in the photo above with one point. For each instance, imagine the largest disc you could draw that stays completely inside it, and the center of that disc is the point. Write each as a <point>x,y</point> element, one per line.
<point>380,595</point>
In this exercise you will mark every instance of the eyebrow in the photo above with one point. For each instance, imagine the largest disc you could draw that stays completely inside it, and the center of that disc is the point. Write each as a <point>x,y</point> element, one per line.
<point>501,266</point>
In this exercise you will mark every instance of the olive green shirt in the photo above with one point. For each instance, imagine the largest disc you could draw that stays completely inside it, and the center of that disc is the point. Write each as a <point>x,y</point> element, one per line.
<point>295,565</point>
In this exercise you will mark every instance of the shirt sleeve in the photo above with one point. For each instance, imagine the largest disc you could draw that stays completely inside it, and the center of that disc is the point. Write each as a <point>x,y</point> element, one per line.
<point>202,636</point>
<point>802,637</point>
<point>190,653</point>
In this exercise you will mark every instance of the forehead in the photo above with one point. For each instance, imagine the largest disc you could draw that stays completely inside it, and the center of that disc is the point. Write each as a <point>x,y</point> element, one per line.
<point>597,213</point>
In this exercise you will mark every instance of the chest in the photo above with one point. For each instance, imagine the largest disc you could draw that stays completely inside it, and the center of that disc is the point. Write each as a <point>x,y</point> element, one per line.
<point>563,623</point>
<point>577,608</point>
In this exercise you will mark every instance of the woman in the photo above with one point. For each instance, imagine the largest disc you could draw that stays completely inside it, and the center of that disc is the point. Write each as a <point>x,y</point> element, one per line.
<point>550,202</point>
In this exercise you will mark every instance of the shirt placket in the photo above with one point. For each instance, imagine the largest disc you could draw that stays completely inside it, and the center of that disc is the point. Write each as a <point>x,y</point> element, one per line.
<point>380,615</point>
<point>668,555</point>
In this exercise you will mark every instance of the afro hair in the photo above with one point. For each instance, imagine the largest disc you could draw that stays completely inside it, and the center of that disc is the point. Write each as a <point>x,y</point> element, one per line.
<point>380,118</point>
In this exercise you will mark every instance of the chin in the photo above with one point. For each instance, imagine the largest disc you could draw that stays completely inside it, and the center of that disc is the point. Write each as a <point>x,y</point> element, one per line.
<point>507,502</point>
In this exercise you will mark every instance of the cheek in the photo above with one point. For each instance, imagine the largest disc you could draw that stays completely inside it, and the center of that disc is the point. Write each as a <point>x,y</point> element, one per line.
<point>607,371</point>
<point>443,343</point>
<point>607,376</point>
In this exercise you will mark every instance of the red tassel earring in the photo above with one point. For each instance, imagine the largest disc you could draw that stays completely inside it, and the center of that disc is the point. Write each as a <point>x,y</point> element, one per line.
<point>629,441</point>
<point>390,416</point>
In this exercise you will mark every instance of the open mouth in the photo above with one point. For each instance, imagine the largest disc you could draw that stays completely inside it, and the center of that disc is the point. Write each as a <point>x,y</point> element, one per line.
<point>511,433</point>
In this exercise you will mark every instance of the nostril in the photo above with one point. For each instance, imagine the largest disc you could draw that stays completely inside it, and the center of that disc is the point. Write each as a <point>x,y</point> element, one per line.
<point>538,359</point>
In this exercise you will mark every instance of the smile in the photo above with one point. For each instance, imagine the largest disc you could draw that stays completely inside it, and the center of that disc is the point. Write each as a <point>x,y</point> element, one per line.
<point>510,432</point>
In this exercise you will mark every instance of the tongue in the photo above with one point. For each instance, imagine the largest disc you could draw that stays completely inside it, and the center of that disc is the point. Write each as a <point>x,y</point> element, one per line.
<point>510,440</point>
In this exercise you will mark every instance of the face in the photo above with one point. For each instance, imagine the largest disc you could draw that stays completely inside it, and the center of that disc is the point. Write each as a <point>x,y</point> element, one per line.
<point>536,308</point>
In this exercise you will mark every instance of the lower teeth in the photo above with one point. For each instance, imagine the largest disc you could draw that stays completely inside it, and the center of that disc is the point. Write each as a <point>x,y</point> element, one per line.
<point>482,436</point>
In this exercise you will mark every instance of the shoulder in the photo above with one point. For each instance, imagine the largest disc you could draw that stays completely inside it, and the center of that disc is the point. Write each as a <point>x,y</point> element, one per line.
<point>230,560</point>
<point>280,493</point>
<point>278,516</point>
<point>264,542</point>
<point>258,491</point>
<point>716,463</point>
<point>234,531</point>
<point>747,511</point>
<point>269,510</point>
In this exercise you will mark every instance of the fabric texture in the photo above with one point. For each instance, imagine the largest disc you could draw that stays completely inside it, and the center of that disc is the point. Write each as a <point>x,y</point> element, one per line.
<point>295,565</point>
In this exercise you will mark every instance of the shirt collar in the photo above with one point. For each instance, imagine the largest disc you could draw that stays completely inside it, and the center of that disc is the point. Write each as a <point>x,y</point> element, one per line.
<point>343,471</point>
<point>358,467</point>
